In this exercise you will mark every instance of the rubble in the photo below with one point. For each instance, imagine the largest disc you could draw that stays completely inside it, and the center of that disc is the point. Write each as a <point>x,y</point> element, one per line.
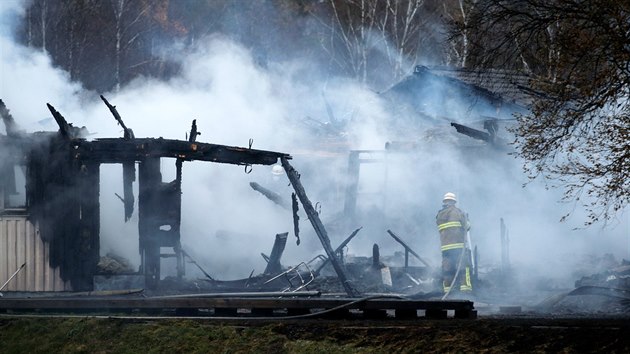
<point>113,264</point>
<point>62,187</point>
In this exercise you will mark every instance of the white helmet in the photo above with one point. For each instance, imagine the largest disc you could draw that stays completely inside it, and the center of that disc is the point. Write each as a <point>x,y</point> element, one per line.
<point>450,196</point>
<point>277,170</point>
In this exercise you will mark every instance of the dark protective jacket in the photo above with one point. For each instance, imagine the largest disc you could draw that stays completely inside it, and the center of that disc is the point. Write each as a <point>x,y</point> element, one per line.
<point>452,224</point>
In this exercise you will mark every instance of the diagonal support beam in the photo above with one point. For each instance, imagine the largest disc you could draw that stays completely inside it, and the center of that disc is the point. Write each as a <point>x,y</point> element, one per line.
<point>319,228</point>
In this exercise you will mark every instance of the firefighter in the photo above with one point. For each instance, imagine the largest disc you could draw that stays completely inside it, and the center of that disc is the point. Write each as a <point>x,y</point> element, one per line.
<point>453,224</point>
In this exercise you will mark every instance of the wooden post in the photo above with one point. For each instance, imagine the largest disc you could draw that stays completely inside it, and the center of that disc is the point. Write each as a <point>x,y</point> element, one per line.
<point>354,166</point>
<point>273,265</point>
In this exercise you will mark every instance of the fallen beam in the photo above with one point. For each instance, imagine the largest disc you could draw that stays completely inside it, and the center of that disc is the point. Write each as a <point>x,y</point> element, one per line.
<point>271,195</point>
<point>338,249</point>
<point>472,132</point>
<point>407,248</point>
<point>318,226</point>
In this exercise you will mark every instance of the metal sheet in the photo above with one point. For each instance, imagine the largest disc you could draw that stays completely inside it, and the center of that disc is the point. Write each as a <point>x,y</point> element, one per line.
<point>20,243</point>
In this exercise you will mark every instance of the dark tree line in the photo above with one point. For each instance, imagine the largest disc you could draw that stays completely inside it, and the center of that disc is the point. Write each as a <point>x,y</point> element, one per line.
<point>107,43</point>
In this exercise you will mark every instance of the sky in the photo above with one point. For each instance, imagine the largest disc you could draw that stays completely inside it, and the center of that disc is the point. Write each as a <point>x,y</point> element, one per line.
<point>226,225</point>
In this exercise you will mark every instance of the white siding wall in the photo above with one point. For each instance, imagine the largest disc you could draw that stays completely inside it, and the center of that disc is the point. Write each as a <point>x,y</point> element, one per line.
<point>20,243</point>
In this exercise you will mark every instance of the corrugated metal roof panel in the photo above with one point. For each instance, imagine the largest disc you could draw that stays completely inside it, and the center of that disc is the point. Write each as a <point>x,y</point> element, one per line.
<point>20,244</point>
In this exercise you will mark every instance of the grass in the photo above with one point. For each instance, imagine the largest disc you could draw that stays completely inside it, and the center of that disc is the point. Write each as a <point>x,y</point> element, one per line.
<point>169,335</point>
<point>91,335</point>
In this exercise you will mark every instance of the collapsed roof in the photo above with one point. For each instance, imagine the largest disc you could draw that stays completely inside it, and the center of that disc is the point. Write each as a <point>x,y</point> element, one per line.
<point>431,96</point>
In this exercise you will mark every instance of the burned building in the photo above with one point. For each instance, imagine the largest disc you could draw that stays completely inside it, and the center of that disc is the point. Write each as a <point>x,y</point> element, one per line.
<point>54,231</point>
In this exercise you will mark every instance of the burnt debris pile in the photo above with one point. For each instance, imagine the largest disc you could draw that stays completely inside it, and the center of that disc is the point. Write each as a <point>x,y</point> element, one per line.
<point>61,172</point>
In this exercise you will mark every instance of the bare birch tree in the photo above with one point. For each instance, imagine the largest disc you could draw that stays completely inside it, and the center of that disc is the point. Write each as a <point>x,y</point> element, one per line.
<point>401,27</point>
<point>126,30</point>
<point>364,37</point>
<point>459,13</point>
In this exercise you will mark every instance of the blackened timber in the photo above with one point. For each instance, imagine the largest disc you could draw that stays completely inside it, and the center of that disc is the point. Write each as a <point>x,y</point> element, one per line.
<point>9,122</point>
<point>64,127</point>
<point>88,240</point>
<point>407,248</point>
<point>121,150</point>
<point>296,217</point>
<point>129,167</point>
<point>191,260</point>
<point>318,226</point>
<point>234,302</point>
<point>193,132</point>
<point>62,195</point>
<point>271,195</point>
<point>273,265</point>
<point>67,130</point>
<point>338,249</point>
<point>129,176</point>
<point>128,133</point>
<point>159,218</point>
<point>473,133</point>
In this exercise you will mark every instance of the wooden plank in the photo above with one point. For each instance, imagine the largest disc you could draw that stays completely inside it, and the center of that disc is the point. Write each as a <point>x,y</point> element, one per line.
<point>20,250</point>
<point>231,303</point>
<point>30,257</point>
<point>12,264</point>
<point>4,251</point>
<point>436,314</point>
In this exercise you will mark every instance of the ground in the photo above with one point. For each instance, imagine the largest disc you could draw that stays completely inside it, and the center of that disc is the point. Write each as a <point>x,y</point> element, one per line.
<point>142,335</point>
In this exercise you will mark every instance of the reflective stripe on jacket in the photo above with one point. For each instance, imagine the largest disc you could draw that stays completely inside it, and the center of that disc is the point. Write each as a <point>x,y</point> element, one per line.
<point>452,224</point>
<point>452,246</point>
<point>446,225</point>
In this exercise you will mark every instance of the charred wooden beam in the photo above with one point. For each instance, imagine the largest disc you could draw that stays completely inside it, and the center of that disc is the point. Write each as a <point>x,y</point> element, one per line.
<point>319,228</point>
<point>271,195</point>
<point>191,260</point>
<point>407,248</point>
<point>129,176</point>
<point>473,133</point>
<point>338,249</point>
<point>121,150</point>
<point>376,257</point>
<point>67,130</point>
<point>129,168</point>
<point>193,132</point>
<point>296,218</point>
<point>273,265</point>
<point>62,195</point>
<point>64,127</point>
<point>128,133</point>
<point>9,123</point>
<point>159,219</point>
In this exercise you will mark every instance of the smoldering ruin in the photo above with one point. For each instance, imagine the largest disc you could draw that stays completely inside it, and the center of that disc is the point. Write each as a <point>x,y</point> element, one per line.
<point>58,220</point>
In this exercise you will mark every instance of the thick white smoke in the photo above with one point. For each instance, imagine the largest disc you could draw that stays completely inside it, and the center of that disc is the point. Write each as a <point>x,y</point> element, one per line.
<point>225,224</point>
